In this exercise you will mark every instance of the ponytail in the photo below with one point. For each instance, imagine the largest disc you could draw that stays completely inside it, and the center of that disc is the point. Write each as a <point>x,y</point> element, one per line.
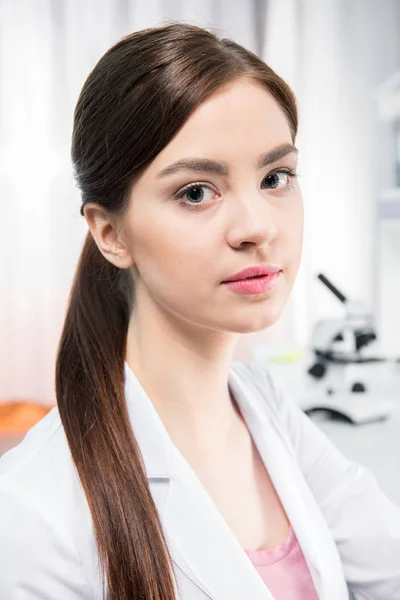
<point>91,402</point>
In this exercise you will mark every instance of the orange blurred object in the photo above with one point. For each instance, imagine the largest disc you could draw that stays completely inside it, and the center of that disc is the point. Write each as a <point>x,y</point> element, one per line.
<point>19,416</point>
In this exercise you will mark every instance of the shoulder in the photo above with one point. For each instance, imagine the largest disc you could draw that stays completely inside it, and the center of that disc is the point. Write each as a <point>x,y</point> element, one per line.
<point>38,482</point>
<point>262,386</point>
<point>40,466</point>
<point>24,454</point>
<point>267,397</point>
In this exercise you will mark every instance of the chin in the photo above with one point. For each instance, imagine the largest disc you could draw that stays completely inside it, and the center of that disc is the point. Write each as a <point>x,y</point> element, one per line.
<point>262,318</point>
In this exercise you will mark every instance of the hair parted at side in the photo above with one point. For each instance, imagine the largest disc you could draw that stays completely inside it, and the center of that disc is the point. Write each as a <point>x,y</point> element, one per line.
<point>136,98</point>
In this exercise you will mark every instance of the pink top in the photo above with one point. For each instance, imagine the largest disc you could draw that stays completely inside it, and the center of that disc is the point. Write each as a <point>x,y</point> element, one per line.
<point>284,570</point>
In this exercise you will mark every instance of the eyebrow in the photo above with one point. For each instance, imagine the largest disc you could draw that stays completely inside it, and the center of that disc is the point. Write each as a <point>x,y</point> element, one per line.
<point>221,168</point>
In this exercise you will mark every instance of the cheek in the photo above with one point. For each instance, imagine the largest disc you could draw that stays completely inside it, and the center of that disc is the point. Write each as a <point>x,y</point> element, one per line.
<point>292,240</point>
<point>295,224</point>
<point>167,257</point>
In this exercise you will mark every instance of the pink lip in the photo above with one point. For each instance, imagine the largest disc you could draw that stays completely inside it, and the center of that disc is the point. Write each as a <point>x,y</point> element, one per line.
<point>254,271</point>
<point>258,285</point>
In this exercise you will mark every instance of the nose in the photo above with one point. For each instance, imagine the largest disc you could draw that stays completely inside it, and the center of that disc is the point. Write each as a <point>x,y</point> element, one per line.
<point>253,222</point>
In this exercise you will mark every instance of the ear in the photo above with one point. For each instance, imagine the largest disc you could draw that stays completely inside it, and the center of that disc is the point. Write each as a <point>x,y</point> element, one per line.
<point>105,229</point>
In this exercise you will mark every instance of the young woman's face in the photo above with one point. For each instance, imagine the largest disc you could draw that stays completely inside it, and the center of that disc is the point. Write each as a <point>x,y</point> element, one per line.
<point>186,242</point>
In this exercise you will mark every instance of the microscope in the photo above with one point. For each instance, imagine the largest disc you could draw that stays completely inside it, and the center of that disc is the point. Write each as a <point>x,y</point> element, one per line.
<point>337,345</point>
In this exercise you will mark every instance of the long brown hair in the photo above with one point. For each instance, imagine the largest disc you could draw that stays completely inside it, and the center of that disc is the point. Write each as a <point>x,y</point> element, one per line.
<point>136,98</point>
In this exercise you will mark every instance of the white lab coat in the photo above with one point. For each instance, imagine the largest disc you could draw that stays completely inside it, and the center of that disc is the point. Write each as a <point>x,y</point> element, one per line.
<point>348,529</point>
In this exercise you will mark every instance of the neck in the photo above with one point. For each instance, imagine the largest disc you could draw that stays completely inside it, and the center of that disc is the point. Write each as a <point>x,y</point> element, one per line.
<point>184,370</point>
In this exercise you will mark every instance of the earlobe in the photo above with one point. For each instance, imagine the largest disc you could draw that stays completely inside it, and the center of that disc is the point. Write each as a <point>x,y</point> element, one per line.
<point>123,260</point>
<point>117,249</point>
<point>108,241</point>
<point>115,252</point>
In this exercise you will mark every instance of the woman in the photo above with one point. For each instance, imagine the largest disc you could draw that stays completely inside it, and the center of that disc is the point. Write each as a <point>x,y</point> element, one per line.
<point>167,469</point>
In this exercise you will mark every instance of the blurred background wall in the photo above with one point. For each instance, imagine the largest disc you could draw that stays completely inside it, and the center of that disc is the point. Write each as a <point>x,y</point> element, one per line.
<point>334,53</point>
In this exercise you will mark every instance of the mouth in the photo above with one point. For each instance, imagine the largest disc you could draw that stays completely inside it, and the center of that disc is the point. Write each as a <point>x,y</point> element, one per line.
<point>251,277</point>
<point>255,284</point>
<point>255,272</point>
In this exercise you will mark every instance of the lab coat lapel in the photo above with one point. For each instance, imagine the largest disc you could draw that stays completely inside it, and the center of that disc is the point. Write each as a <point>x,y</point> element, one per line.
<point>200,541</point>
<point>201,535</point>
<point>307,520</point>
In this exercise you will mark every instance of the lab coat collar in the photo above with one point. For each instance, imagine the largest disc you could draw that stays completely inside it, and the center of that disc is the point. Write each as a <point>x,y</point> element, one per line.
<point>200,541</point>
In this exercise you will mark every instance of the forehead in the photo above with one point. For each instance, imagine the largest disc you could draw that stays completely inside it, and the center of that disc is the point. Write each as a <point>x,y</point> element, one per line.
<point>238,122</point>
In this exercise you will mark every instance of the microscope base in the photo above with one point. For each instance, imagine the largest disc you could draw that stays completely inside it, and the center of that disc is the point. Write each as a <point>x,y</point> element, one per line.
<point>357,408</point>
